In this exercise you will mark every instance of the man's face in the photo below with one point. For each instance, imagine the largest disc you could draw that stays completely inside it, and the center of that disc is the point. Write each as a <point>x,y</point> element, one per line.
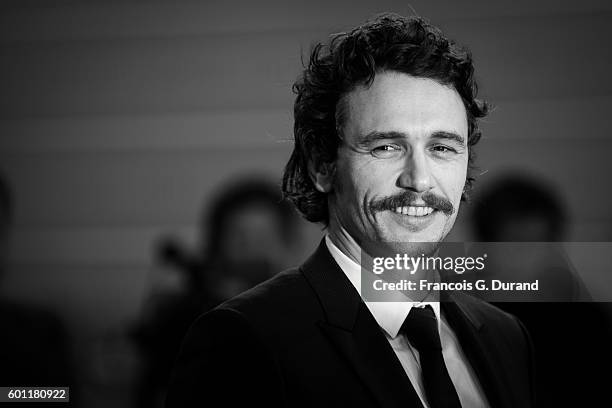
<point>402,163</point>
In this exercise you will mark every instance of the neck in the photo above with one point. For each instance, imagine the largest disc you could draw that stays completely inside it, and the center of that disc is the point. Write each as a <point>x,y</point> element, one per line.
<point>343,240</point>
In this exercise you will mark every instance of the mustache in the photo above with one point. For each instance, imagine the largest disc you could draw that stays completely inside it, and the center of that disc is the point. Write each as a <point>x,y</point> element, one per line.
<point>407,198</point>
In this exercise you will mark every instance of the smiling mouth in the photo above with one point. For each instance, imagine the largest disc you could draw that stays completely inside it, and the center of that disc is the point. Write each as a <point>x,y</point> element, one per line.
<point>415,211</point>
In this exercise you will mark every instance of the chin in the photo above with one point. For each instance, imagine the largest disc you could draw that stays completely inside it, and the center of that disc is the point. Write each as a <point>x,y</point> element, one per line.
<point>412,248</point>
<point>403,241</point>
<point>423,236</point>
<point>431,234</point>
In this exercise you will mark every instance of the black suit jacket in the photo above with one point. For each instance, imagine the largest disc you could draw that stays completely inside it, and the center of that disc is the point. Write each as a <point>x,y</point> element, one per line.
<point>306,339</point>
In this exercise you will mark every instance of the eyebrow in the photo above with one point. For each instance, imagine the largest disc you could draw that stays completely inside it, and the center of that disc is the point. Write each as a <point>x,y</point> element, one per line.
<point>440,134</point>
<point>376,135</point>
<point>452,136</point>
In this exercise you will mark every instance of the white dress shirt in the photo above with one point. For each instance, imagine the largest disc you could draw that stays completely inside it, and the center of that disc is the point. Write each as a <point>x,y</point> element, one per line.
<point>391,315</point>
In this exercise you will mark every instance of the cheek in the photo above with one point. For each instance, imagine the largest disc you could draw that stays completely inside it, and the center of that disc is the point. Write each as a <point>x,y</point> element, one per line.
<point>451,180</point>
<point>354,179</point>
<point>342,179</point>
<point>458,187</point>
<point>346,189</point>
<point>462,176</point>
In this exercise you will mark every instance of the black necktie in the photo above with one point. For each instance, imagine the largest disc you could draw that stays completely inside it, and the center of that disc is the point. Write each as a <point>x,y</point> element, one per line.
<point>421,329</point>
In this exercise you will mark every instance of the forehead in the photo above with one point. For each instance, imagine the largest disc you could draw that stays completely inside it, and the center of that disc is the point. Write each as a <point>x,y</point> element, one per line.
<point>400,102</point>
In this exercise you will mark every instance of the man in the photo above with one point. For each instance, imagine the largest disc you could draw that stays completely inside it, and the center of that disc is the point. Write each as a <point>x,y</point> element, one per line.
<point>385,121</point>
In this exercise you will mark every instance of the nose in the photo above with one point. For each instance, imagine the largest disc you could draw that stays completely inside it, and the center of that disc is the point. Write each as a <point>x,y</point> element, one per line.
<point>416,175</point>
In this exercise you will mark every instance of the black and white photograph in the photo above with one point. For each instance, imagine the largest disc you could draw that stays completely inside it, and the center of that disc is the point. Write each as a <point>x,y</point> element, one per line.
<point>305,203</point>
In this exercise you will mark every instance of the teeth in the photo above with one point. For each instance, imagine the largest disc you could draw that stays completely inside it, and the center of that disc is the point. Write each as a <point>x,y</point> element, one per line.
<point>414,211</point>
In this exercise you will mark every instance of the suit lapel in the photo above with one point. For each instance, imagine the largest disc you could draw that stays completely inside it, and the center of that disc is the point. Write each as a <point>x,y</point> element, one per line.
<point>478,349</point>
<point>354,332</point>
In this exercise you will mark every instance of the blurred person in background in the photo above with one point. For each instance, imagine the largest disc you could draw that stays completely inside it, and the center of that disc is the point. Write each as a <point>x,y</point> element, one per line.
<point>571,335</point>
<point>35,349</point>
<point>246,234</point>
<point>523,209</point>
<point>250,233</point>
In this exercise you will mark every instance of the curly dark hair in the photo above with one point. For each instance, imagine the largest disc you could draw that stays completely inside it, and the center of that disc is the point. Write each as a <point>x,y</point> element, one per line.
<point>388,42</point>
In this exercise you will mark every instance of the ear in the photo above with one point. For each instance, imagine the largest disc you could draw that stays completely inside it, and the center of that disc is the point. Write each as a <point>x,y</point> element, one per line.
<point>322,175</point>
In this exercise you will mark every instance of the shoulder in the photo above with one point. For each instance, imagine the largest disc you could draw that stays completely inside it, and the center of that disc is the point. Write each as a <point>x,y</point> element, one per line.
<point>241,339</point>
<point>481,311</point>
<point>287,289</point>
<point>275,310</point>
<point>276,290</point>
<point>504,325</point>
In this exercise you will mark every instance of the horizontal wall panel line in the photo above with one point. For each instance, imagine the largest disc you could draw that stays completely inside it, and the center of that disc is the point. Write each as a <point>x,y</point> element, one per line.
<point>52,21</point>
<point>535,59</point>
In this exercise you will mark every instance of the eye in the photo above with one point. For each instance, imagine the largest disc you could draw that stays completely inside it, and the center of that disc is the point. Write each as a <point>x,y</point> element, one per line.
<point>443,149</point>
<point>387,150</point>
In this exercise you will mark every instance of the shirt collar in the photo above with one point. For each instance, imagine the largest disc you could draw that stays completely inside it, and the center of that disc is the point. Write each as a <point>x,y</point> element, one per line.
<point>389,315</point>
